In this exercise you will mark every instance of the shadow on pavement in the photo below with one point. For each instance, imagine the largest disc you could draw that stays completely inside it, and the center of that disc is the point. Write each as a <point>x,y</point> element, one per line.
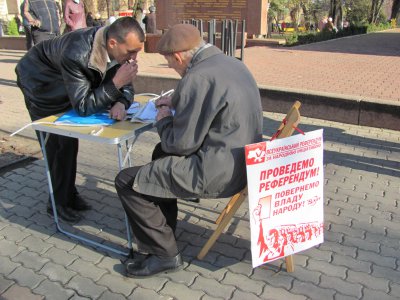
<point>377,43</point>
<point>9,61</point>
<point>356,160</point>
<point>8,82</point>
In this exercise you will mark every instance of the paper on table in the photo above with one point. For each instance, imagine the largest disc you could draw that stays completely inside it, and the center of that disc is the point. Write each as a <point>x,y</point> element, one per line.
<point>134,108</point>
<point>147,113</point>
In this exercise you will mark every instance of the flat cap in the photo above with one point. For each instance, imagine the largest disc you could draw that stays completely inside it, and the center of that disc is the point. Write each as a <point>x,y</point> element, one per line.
<point>180,37</point>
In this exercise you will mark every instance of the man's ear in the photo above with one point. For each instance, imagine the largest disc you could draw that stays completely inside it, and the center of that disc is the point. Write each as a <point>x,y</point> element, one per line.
<point>178,57</point>
<point>112,43</point>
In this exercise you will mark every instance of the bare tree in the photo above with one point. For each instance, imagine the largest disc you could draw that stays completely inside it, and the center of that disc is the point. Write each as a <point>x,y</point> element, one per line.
<point>395,9</point>
<point>336,12</point>
<point>375,10</point>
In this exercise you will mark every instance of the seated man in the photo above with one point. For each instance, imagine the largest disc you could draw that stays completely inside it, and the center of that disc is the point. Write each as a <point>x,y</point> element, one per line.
<point>86,70</point>
<point>201,155</point>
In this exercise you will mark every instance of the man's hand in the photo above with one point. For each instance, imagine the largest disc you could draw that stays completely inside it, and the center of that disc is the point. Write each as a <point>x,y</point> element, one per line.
<point>163,112</point>
<point>164,101</point>
<point>125,74</point>
<point>118,111</point>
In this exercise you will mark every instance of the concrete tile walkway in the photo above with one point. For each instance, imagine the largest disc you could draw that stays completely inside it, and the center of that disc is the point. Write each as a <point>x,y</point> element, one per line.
<point>360,258</point>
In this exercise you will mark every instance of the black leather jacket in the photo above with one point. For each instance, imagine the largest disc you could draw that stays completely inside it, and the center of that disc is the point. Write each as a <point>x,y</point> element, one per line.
<point>70,71</point>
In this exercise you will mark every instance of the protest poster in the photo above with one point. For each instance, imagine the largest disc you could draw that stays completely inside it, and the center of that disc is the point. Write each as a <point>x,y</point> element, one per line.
<point>285,185</point>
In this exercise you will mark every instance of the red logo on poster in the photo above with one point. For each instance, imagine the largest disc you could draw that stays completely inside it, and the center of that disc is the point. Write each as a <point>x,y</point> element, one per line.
<point>255,153</point>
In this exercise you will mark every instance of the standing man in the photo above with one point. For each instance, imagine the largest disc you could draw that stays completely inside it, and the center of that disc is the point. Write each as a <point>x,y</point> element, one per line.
<point>201,155</point>
<point>150,21</point>
<point>44,17</point>
<point>56,75</point>
<point>27,27</point>
<point>74,15</point>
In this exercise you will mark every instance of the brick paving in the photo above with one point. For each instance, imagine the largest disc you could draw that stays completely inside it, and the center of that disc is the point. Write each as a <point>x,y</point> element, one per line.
<point>364,67</point>
<point>360,258</point>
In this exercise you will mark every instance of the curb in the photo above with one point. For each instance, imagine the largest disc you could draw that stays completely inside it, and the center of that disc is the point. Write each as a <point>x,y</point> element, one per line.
<point>326,106</point>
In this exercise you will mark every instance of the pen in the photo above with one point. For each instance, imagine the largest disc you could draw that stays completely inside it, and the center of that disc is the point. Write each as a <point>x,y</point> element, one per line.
<point>168,93</point>
<point>161,95</point>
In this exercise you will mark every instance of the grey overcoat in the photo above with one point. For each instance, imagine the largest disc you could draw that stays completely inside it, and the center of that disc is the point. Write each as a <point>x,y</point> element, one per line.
<point>218,112</point>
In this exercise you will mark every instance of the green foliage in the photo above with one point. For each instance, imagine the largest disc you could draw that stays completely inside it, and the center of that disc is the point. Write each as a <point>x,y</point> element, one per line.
<point>277,9</point>
<point>292,40</point>
<point>358,12</point>
<point>313,37</point>
<point>378,27</point>
<point>12,28</point>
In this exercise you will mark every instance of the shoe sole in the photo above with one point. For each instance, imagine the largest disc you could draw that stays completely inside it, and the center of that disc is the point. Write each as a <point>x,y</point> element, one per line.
<point>51,215</point>
<point>161,272</point>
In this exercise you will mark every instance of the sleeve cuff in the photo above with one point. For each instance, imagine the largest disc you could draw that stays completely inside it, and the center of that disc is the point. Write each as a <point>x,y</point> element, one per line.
<point>164,122</point>
<point>112,92</point>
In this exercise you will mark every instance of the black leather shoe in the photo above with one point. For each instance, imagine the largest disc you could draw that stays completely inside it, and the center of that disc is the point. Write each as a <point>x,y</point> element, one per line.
<point>154,264</point>
<point>79,204</point>
<point>136,260</point>
<point>64,213</point>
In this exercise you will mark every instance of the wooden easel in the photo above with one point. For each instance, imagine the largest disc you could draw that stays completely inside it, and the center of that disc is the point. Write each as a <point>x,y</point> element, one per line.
<point>286,128</point>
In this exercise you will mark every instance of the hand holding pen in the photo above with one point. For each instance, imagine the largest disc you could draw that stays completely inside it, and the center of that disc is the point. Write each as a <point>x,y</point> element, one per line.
<point>164,105</point>
<point>164,100</point>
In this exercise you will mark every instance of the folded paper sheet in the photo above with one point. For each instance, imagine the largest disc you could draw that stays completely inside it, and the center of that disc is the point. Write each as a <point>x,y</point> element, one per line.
<point>147,113</point>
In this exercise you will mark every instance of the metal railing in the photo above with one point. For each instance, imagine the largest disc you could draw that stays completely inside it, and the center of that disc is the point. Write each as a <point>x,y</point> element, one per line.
<point>223,34</point>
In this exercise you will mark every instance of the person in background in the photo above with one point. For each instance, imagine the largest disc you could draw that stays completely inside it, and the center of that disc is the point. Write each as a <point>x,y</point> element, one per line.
<point>19,23</point>
<point>150,21</point>
<point>27,27</point>
<point>283,26</point>
<point>111,20</point>
<point>44,18</point>
<point>329,26</point>
<point>322,23</point>
<point>74,15</point>
<point>139,15</point>
<point>56,76</point>
<point>201,155</point>
<point>89,19</point>
<point>97,20</point>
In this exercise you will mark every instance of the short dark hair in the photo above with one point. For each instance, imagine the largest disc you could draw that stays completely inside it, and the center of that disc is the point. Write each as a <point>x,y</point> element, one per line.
<point>122,26</point>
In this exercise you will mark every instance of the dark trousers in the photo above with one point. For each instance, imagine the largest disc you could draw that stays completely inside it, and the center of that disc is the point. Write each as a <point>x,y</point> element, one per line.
<point>38,35</point>
<point>153,220</point>
<point>62,155</point>
<point>28,37</point>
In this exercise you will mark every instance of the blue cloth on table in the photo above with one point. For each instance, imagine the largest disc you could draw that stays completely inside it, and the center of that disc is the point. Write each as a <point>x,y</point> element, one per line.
<point>71,117</point>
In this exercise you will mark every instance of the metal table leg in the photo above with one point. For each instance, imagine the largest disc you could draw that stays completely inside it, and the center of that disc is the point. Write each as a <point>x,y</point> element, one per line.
<point>70,234</point>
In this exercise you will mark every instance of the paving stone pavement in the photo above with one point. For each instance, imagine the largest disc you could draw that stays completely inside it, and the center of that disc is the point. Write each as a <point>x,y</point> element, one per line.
<point>362,67</point>
<point>359,259</point>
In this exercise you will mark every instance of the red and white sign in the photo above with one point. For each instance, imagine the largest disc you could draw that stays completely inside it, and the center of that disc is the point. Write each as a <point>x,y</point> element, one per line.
<point>285,183</point>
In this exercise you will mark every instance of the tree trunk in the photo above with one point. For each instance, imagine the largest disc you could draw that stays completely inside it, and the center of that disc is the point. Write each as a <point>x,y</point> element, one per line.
<point>395,9</point>
<point>371,13</point>
<point>333,9</point>
<point>306,13</point>
<point>376,6</point>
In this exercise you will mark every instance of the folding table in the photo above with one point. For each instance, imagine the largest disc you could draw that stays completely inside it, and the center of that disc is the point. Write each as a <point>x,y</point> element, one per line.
<point>122,132</point>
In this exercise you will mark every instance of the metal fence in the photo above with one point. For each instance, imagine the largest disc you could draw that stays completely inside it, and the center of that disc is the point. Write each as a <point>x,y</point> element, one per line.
<point>223,33</point>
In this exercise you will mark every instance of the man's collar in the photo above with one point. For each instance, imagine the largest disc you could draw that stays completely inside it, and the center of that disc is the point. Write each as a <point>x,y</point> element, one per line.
<point>99,56</point>
<point>110,63</point>
<point>196,57</point>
